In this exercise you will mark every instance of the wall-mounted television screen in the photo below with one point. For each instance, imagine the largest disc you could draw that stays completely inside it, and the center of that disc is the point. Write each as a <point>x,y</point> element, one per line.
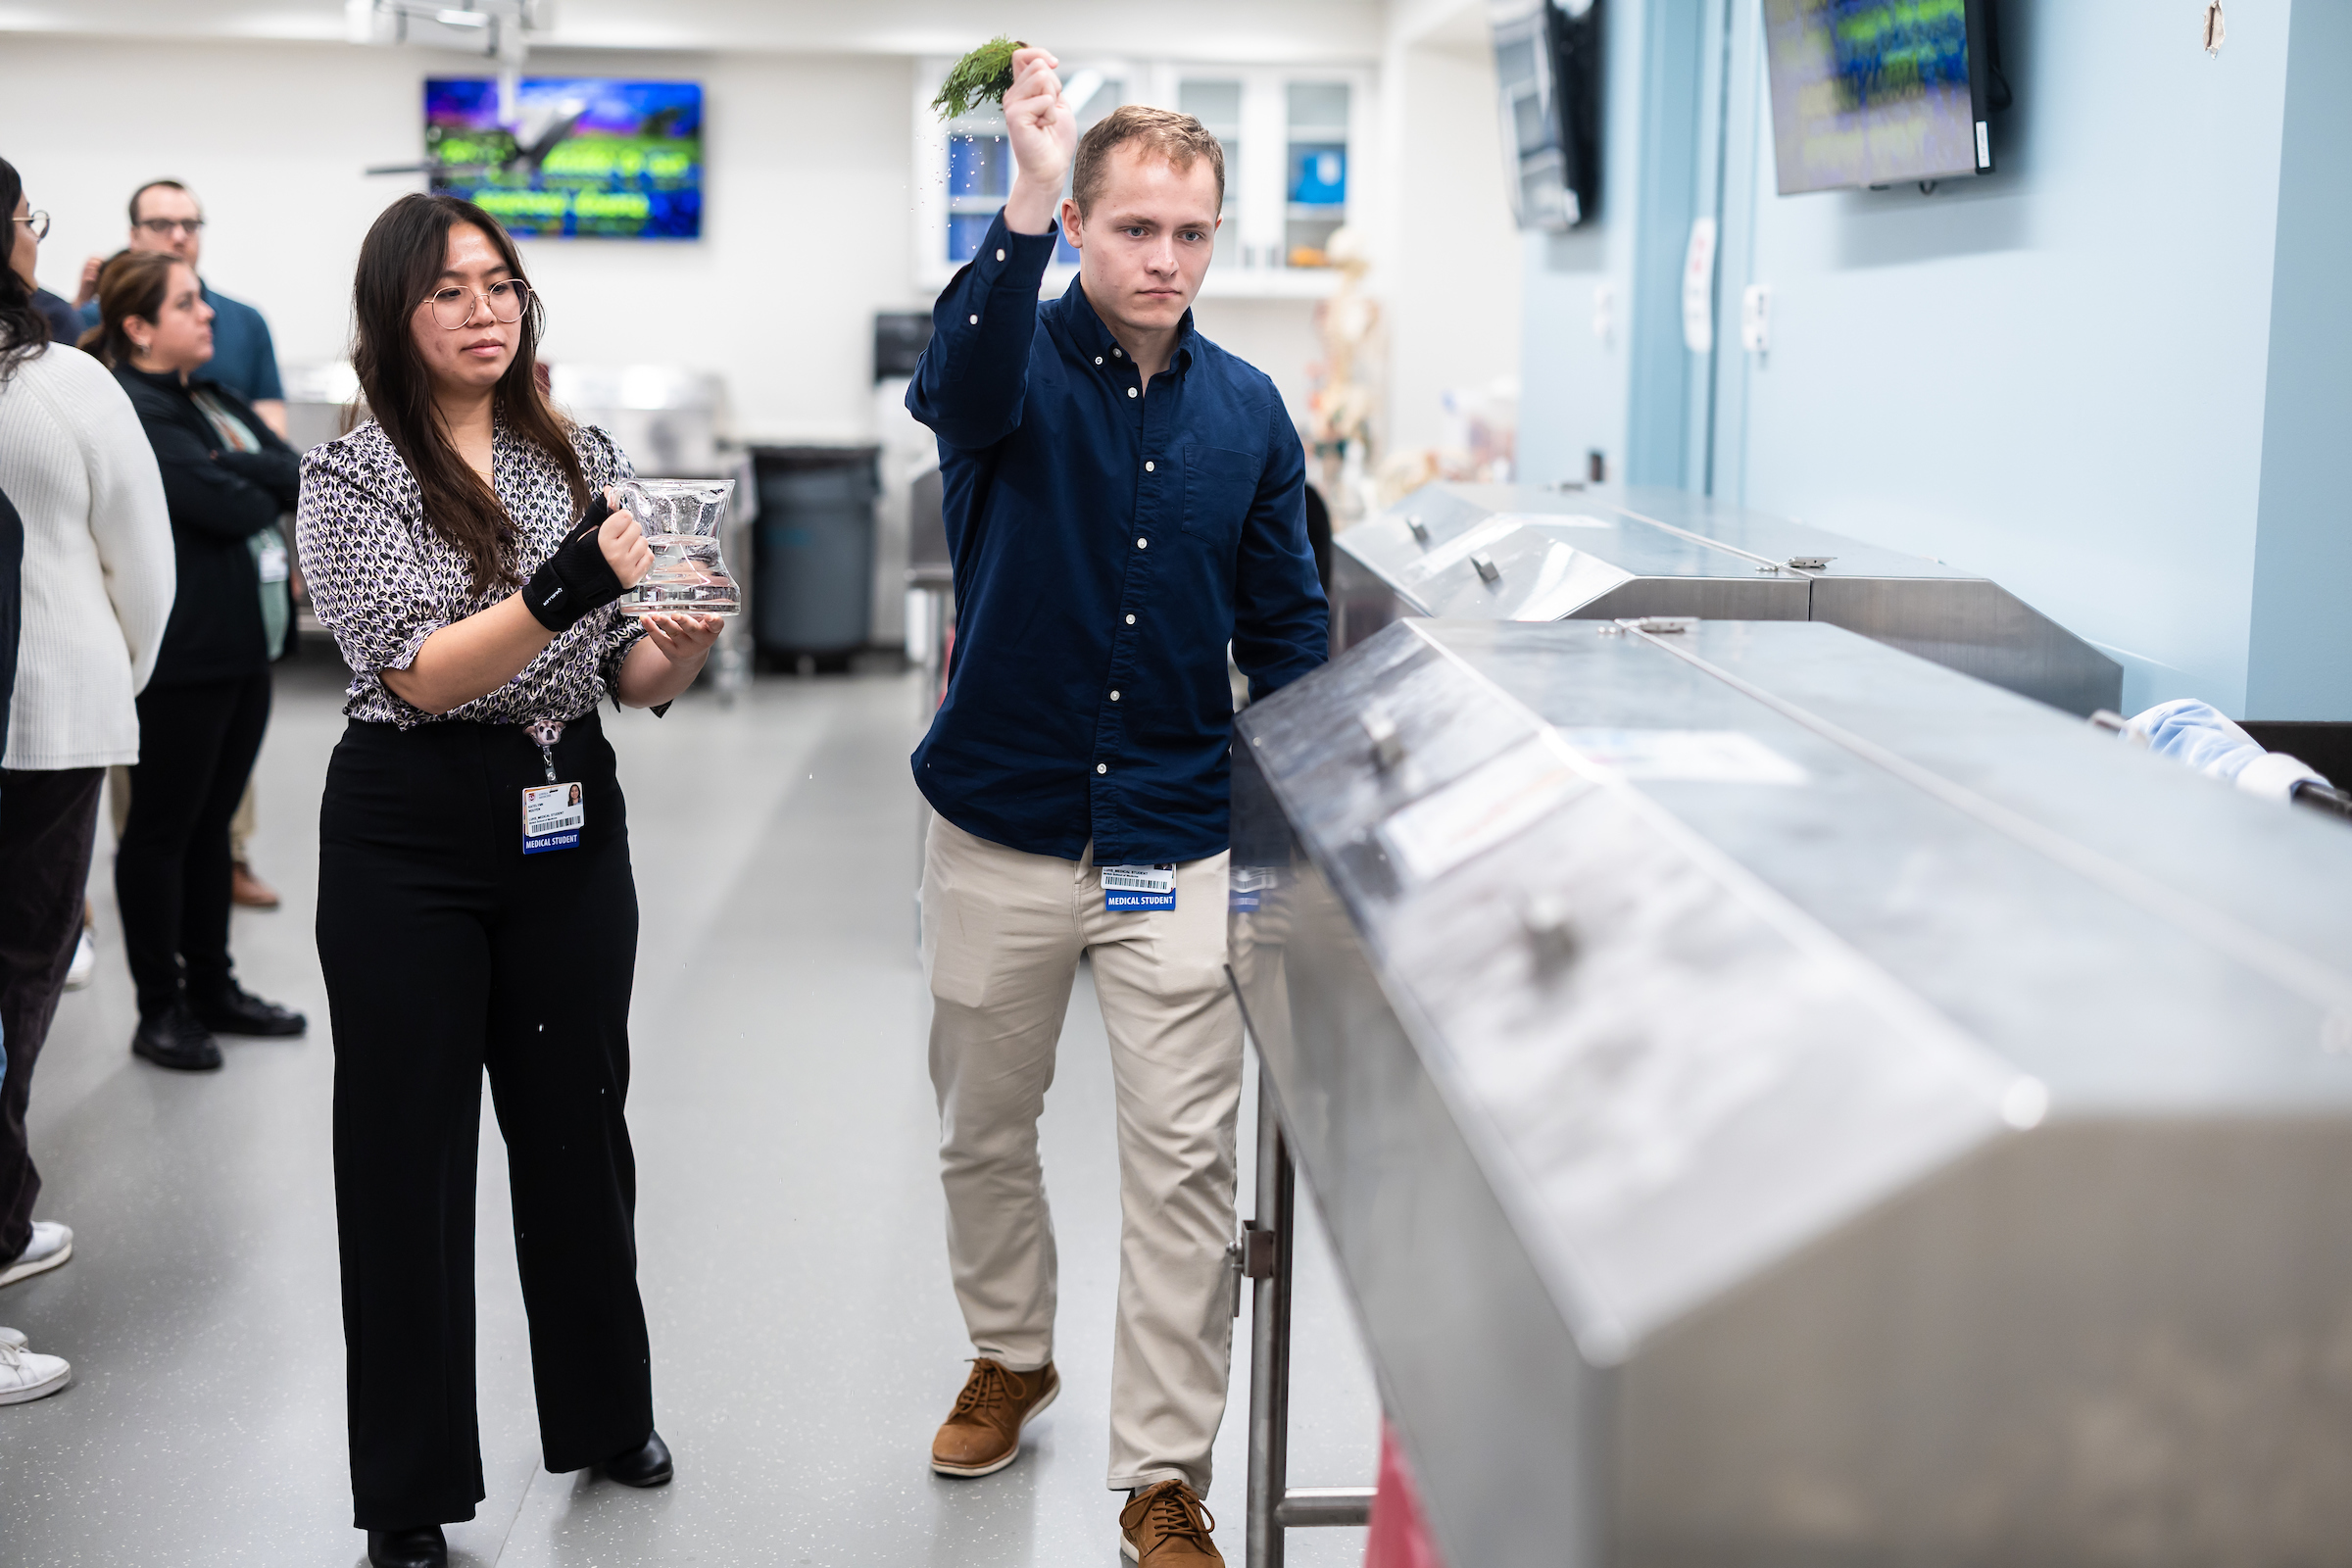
<point>1872,92</point>
<point>584,157</point>
<point>1548,71</point>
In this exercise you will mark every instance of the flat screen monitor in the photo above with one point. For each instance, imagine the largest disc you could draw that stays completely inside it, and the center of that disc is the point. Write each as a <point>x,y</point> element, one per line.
<point>1873,92</point>
<point>581,156</point>
<point>1547,65</point>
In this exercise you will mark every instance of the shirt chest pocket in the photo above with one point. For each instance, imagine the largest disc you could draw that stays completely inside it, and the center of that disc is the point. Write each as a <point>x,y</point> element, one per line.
<point>1218,487</point>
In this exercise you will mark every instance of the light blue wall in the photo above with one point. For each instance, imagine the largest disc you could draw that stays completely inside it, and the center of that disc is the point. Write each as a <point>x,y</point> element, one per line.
<point>2057,374</point>
<point>1572,382</point>
<point>2302,642</point>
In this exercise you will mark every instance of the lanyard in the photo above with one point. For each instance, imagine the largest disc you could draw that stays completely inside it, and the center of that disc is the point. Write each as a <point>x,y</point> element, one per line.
<point>546,731</point>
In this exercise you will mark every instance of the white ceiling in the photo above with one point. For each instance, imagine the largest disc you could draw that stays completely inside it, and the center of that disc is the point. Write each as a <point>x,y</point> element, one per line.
<point>1273,32</point>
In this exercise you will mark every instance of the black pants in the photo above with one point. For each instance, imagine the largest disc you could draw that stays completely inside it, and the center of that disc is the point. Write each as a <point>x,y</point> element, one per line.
<point>172,873</point>
<point>46,823</point>
<point>447,951</point>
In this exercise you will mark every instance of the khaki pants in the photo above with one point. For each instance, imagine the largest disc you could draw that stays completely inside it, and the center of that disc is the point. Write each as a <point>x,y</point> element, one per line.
<point>1002,932</point>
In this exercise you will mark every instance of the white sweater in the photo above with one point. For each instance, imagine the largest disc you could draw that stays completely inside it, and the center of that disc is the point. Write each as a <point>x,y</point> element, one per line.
<point>98,566</point>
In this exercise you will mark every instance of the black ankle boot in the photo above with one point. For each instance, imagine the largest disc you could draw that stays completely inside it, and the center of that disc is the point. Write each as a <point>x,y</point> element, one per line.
<point>417,1546</point>
<point>647,1466</point>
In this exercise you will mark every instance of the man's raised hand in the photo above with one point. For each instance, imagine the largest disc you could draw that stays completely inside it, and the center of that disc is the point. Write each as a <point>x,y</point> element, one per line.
<point>1043,135</point>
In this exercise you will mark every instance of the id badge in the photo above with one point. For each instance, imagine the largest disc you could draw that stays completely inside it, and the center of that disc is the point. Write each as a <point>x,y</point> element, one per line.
<point>273,564</point>
<point>1245,887</point>
<point>552,817</point>
<point>1139,887</point>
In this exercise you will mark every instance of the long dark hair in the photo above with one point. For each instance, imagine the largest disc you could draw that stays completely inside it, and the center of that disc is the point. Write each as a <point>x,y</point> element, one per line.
<point>23,330</point>
<point>130,283</point>
<point>400,261</point>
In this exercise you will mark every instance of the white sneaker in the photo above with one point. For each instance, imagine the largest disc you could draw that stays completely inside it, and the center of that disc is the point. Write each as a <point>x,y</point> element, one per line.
<point>85,964</point>
<point>51,1246</point>
<point>24,1375</point>
<point>13,1337</point>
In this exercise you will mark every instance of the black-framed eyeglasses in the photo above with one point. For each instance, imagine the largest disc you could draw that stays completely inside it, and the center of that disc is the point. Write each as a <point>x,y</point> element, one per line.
<point>165,227</point>
<point>453,307</point>
<point>38,222</point>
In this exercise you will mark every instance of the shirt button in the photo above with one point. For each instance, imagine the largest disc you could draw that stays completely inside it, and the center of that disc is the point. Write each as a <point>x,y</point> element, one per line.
<point>1130,620</point>
<point>1101,767</point>
<point>1143,544</point>
<point>1114,697</point>
<point>1114,353</point>
<point>1130,390</point>
<point>1000,256</point>
<point>1147,467</point>
<point>1098,359</point>
<point>975,320</point>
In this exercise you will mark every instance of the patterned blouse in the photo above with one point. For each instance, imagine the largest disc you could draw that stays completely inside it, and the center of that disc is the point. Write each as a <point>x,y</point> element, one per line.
<point>382,581</point>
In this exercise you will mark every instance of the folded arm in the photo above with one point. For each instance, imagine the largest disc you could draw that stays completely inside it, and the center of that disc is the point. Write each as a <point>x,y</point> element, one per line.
<point>208,497</point>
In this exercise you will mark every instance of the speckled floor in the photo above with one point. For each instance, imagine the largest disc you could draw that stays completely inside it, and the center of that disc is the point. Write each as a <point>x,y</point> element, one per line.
<point>806,1341</point>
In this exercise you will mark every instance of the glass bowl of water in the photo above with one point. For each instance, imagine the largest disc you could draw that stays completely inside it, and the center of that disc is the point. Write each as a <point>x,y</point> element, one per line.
<point>681,519</point>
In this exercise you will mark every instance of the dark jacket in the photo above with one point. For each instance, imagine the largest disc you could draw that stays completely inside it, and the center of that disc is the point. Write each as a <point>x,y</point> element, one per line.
<point>219,500</point>
<point>12,605</point>
<point>65,322</point>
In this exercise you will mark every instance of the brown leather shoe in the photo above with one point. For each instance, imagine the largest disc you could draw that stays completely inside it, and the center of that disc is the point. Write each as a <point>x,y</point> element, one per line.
<point>984,1432</point>
<point>1167,1527</point>
<point>249,891</point>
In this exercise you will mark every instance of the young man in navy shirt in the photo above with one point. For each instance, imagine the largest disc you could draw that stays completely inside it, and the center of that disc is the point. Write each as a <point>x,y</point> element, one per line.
<point>1124,500</point>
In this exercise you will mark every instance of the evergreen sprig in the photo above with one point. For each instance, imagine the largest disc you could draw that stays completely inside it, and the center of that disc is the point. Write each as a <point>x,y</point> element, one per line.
<point>984,75</point>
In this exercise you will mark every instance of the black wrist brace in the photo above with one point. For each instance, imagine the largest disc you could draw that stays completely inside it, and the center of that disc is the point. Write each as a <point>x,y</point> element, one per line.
<point>577,578</point>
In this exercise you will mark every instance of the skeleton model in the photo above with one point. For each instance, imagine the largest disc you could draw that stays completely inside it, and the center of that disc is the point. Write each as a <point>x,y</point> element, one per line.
<point>1339,412</point>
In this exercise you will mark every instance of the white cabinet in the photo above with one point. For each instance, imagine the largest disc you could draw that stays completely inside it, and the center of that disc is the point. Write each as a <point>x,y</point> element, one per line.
<point>1299,163</point>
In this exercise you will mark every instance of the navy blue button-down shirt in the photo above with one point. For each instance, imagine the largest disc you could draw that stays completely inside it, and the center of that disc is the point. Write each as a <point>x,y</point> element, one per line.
<point>1108,541</point>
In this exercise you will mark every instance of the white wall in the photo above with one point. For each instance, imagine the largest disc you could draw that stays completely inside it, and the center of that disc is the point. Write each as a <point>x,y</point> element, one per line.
<point>804,237</point>
<point>1241,32</point>
<point>1448,264</point>
<point>809,200</point>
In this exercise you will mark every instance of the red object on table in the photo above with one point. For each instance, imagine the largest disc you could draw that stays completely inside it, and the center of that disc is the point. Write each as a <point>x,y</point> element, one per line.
<point>1399,1535</point>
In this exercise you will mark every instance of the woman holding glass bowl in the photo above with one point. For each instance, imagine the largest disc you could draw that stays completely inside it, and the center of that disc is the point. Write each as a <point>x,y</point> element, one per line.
<point>471,916</point>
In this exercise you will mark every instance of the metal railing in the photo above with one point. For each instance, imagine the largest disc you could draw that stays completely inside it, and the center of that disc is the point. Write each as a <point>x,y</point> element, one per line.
<point>1267,1248</point>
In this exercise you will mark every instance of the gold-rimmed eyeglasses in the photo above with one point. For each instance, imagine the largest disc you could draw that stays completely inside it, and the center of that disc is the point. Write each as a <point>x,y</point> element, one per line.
<point>38,222</point>
<point>453,307</point>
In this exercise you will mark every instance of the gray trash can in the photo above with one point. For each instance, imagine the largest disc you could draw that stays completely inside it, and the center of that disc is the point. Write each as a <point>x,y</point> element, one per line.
<point>813,549</point>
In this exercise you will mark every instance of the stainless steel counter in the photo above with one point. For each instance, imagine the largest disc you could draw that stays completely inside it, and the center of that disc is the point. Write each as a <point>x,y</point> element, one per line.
<point>1518,553</point>
<point>1776,1101</point>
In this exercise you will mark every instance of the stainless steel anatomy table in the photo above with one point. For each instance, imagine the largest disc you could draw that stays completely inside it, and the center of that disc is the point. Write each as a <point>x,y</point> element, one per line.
<point>1518,553</point>
<point>1776,1101</point>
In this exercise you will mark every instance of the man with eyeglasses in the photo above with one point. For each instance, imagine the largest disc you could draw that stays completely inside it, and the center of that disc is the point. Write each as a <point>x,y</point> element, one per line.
<point>165,216</point>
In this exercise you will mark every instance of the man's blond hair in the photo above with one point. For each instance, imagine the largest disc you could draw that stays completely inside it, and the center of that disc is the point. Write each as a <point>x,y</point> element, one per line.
<point>1179,139</point>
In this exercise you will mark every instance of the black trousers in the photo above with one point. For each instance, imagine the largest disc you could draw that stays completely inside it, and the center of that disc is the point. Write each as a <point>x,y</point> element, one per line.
<point>447,951</point>
<point>46,823</point>
<point>172,872</point>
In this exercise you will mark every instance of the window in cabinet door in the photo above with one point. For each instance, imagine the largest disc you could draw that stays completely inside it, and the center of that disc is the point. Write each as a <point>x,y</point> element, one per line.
<point>1315,180</point>
<point>1218,105</point>
<point>979,179</point>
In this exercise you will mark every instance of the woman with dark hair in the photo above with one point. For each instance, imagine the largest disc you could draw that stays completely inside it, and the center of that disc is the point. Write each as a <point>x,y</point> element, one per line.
<point>227,476</point>
<point>96,588</point>
<point>470,917</point>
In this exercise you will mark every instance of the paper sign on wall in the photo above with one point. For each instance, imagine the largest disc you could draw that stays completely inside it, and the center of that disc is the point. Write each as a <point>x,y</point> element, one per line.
<point>1698,288</point>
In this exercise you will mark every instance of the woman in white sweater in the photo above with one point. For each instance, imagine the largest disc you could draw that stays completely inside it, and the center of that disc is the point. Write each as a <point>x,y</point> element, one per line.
<point>97,590</point>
